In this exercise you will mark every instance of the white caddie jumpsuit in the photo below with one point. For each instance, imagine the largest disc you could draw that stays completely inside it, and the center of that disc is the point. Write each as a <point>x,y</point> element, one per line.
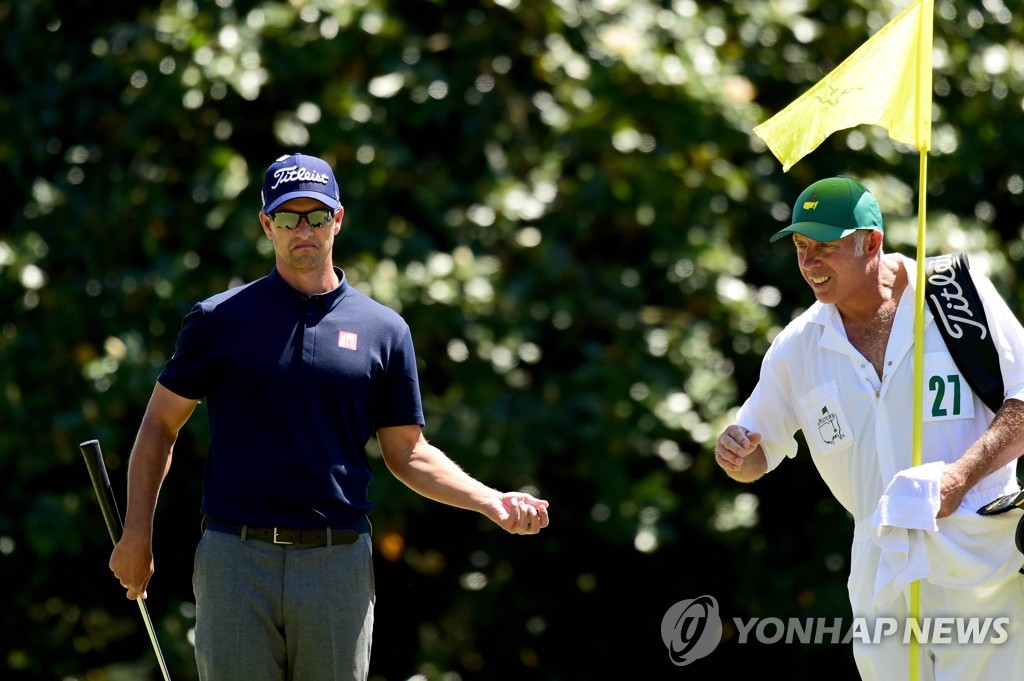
<point>859,431</point>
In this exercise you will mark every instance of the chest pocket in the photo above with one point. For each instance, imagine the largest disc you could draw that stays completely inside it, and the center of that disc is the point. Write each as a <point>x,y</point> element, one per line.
<point>946,393</point>
<point>826,428</point>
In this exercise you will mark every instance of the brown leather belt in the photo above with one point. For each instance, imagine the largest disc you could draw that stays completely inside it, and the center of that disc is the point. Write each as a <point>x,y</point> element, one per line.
<point>285,536</point>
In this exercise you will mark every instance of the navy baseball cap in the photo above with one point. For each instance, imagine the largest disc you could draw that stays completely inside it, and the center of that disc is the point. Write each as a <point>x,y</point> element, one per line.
<point>299,176</point>
<point>833,208</point>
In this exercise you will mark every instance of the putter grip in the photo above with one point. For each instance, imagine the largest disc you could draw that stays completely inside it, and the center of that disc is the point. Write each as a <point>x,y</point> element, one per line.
<point>101,485</point>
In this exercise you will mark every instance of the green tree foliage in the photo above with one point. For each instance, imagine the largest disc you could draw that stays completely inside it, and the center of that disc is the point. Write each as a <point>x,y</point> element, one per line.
<point>566,202</point>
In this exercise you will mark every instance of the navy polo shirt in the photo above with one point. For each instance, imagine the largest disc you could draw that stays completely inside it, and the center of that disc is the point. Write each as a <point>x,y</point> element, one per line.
<point>295,386</point>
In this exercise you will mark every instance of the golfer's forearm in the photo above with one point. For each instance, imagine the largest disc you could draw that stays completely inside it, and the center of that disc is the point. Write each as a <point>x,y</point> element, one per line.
<point>429,472</point>
<point>147,468</point>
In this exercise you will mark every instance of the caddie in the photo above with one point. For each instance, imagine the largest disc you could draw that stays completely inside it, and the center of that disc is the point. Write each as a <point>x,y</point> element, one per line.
<point>842,373</point>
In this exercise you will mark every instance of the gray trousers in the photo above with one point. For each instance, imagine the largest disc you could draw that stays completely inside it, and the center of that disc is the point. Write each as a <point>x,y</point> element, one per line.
<point>266,612</point>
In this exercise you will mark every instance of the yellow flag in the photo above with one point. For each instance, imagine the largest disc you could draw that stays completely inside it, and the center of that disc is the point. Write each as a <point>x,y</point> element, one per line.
<point>886,82</point>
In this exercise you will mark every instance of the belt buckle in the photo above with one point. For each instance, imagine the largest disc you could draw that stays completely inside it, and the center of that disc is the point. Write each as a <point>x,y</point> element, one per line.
<point>281,542</point>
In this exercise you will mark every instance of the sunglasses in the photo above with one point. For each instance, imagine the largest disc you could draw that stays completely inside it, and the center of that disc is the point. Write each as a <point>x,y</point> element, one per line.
<point>288,220</point>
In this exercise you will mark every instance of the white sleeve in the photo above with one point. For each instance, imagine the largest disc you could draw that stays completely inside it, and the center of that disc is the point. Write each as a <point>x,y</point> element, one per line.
<point>769,410</point>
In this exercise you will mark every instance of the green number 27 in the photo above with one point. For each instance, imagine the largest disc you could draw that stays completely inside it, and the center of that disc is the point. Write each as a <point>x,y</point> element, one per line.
<point>938,386</point>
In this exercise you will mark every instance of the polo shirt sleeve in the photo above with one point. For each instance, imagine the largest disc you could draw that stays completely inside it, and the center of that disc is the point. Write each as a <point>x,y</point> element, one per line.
<point>188,372</point>
<point>396,396</point>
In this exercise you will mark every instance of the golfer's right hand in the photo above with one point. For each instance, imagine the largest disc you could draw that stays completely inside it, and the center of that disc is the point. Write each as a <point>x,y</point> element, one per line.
<point>132,563</point>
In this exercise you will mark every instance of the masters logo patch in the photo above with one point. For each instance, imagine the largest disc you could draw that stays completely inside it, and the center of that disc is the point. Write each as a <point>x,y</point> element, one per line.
<point>830,428</point>
<point>826,428</point>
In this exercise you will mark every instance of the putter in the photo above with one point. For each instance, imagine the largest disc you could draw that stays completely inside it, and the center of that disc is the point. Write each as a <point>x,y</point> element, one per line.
<point>105,495</point>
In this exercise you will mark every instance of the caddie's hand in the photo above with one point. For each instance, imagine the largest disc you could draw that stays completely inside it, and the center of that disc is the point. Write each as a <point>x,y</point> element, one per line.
<point>734,445</point>
<point>132,564</point>
<point>519,513</point>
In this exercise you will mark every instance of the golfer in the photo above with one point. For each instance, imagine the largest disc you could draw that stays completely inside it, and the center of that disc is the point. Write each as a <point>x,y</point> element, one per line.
<point>843,374</point>
<point>298,370</point>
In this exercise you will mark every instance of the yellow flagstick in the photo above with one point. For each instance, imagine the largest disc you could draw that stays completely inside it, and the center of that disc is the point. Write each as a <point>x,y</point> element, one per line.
<point>915,586</point>
<point>923,120</point>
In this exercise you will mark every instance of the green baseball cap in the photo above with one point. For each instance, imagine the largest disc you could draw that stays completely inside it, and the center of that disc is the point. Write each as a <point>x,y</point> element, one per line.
<point>833,208</point>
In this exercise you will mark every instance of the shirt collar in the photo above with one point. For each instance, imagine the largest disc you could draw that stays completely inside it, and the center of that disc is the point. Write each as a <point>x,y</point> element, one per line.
<point>328,299</point>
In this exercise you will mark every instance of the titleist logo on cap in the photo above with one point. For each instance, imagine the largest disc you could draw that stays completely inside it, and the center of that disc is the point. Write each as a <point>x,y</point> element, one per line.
<point>297,174</point>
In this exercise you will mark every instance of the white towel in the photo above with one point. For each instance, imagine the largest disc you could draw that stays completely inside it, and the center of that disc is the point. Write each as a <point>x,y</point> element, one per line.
<point>905,511</point>
<point>964,550</point>
<point>911,501</point>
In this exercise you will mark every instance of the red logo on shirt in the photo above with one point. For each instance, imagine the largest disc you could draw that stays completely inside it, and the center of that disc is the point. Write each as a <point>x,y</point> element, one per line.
<point>347,340</point>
